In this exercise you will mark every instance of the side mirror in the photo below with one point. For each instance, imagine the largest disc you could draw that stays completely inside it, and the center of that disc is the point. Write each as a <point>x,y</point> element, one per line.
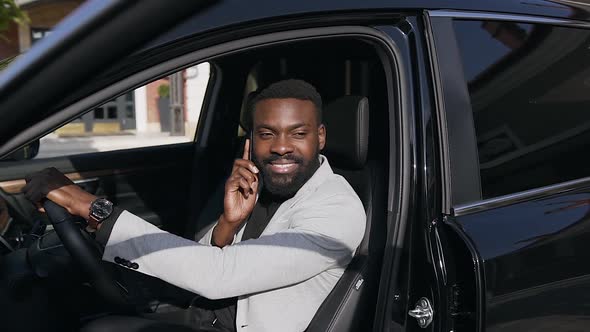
<point>27,152</point>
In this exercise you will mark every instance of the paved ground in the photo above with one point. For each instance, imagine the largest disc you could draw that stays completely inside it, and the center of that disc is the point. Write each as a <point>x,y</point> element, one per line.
<point>54,146</point>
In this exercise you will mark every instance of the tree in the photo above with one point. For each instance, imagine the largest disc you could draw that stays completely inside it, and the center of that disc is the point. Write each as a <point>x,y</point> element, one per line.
<point>9,12</point>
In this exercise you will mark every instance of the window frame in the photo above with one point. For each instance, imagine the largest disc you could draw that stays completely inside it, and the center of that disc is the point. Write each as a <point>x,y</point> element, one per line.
<point>454,105</point>
<point>79,118</point>
<point>400,109</point>
<point>166,67</point>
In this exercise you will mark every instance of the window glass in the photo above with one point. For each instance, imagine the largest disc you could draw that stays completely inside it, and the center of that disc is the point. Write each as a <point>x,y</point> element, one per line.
<point>530,93</point>
<point>165,111</point>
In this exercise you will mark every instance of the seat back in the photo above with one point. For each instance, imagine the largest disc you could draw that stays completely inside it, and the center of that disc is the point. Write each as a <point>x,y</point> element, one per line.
<point>351,304</point>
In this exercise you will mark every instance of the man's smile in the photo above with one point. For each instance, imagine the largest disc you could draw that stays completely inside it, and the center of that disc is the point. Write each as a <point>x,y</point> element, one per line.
<point>283,166</point>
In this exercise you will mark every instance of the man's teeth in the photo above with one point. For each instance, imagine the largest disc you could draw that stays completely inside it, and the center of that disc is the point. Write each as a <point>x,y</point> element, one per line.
<point>283,165</point>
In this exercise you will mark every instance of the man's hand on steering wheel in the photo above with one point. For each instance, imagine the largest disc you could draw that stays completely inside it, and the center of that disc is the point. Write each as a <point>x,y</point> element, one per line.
<point>51,188</point>
<point>53,185</point>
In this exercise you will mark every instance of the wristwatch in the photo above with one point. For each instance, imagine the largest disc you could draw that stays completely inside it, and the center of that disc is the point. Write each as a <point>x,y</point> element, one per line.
<point>100,209</point>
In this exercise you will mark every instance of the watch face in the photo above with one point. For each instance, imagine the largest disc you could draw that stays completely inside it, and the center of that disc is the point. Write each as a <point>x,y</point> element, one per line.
<point>102,208</point>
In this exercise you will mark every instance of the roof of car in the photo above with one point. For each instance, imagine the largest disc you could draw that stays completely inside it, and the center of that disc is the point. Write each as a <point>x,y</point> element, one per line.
<point>235,12</point>
<point>75,54</point>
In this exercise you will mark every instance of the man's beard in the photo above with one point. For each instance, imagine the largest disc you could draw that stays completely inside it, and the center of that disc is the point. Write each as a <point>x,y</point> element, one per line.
<point>285,186</point>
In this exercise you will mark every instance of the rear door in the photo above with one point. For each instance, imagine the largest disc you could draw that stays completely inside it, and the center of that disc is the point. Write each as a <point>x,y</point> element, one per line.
<point>515,136</point>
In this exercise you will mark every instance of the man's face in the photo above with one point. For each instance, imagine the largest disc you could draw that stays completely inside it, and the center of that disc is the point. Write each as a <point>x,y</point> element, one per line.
<point>287,143</point>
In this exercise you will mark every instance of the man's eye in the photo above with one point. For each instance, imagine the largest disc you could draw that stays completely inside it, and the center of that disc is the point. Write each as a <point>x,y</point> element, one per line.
<point>300,134</point>
<point>265,135</point>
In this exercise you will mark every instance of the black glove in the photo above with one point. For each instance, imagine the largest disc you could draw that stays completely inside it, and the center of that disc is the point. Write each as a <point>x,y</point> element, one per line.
<point>39,184</point>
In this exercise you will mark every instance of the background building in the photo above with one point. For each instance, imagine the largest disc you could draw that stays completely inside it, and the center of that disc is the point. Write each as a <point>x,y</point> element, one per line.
<point>145,110</point>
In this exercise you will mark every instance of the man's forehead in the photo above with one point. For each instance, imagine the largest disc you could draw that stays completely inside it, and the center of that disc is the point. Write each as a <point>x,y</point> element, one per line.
<point>285,109</point>
<point>283,102</point>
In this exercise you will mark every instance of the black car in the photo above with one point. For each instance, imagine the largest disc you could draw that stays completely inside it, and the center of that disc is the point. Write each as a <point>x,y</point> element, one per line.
<point>473,118</point>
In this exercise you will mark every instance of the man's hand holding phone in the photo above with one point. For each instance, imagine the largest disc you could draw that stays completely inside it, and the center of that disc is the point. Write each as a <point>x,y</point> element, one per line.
<point>241,190</point>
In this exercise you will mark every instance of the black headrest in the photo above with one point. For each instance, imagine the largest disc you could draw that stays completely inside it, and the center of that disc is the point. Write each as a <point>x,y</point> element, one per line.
<point>347,126</point>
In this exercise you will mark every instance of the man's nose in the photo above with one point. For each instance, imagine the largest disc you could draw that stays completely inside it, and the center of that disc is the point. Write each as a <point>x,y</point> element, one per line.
<point>281,145</point>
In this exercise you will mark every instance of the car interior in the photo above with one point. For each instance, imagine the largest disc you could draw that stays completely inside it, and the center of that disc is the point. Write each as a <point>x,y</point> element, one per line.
<point>179,188</point>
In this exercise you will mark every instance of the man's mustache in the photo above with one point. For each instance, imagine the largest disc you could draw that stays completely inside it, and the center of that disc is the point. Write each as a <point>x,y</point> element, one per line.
<point>289,158</point>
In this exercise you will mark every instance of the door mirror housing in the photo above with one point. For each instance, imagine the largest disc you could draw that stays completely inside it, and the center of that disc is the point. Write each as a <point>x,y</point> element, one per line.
<point>27,152</point>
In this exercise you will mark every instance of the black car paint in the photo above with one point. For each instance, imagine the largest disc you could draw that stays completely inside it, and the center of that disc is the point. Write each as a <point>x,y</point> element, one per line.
<point>527,270</point>
<point>396,280</point>
<point>235,12</point>
<point>527,253</point>
<point>534,256</point>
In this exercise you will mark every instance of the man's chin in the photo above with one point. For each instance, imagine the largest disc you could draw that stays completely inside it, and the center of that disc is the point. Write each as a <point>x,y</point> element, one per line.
<point>285,186</point>
<point>282,188</point>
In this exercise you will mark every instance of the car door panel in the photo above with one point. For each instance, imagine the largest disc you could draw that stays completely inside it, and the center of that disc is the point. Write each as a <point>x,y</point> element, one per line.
<point>522,214</point>
<point>534,261</point>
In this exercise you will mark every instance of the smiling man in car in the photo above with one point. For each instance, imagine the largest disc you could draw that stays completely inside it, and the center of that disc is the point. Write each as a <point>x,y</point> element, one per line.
<point>288,230</point>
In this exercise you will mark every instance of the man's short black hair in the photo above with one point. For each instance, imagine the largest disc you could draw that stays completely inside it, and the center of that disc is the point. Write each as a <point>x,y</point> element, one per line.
<point>290,88</point>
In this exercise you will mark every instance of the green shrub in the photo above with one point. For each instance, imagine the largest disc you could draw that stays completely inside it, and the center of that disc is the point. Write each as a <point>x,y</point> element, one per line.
<point>164,90</point>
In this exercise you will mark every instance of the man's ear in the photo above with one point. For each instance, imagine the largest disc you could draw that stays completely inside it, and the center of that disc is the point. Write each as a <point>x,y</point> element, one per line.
<point>322,136</point>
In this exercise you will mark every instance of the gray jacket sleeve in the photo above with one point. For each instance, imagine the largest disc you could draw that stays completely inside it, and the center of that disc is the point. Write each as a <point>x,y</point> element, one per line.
<point>106,227</point>
<point>317,239</point>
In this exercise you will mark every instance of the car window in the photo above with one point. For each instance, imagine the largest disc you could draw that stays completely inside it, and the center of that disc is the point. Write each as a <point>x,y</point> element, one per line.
<point>164,111</point>
<point>529,86</point>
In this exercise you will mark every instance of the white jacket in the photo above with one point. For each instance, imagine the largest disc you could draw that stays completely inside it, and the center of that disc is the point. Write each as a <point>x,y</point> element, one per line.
<point>281,278</point>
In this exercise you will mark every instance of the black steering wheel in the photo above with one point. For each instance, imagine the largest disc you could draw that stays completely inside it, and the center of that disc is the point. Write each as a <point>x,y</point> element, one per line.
<point>86,255</point>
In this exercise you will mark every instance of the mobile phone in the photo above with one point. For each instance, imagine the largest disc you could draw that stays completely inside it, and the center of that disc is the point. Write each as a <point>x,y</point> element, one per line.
<point>251,145</point>
<point>250,154</point>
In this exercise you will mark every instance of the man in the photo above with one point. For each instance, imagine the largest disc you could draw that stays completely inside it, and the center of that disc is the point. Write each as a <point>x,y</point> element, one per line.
<point>280,247</point>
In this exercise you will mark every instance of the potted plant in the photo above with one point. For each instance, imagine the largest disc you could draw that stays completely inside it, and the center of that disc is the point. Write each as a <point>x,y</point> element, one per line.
<point>164,106</point>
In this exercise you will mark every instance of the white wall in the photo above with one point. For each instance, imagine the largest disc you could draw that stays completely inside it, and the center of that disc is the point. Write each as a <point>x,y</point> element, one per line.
<point>197,78</point>
<point>140,96</point>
